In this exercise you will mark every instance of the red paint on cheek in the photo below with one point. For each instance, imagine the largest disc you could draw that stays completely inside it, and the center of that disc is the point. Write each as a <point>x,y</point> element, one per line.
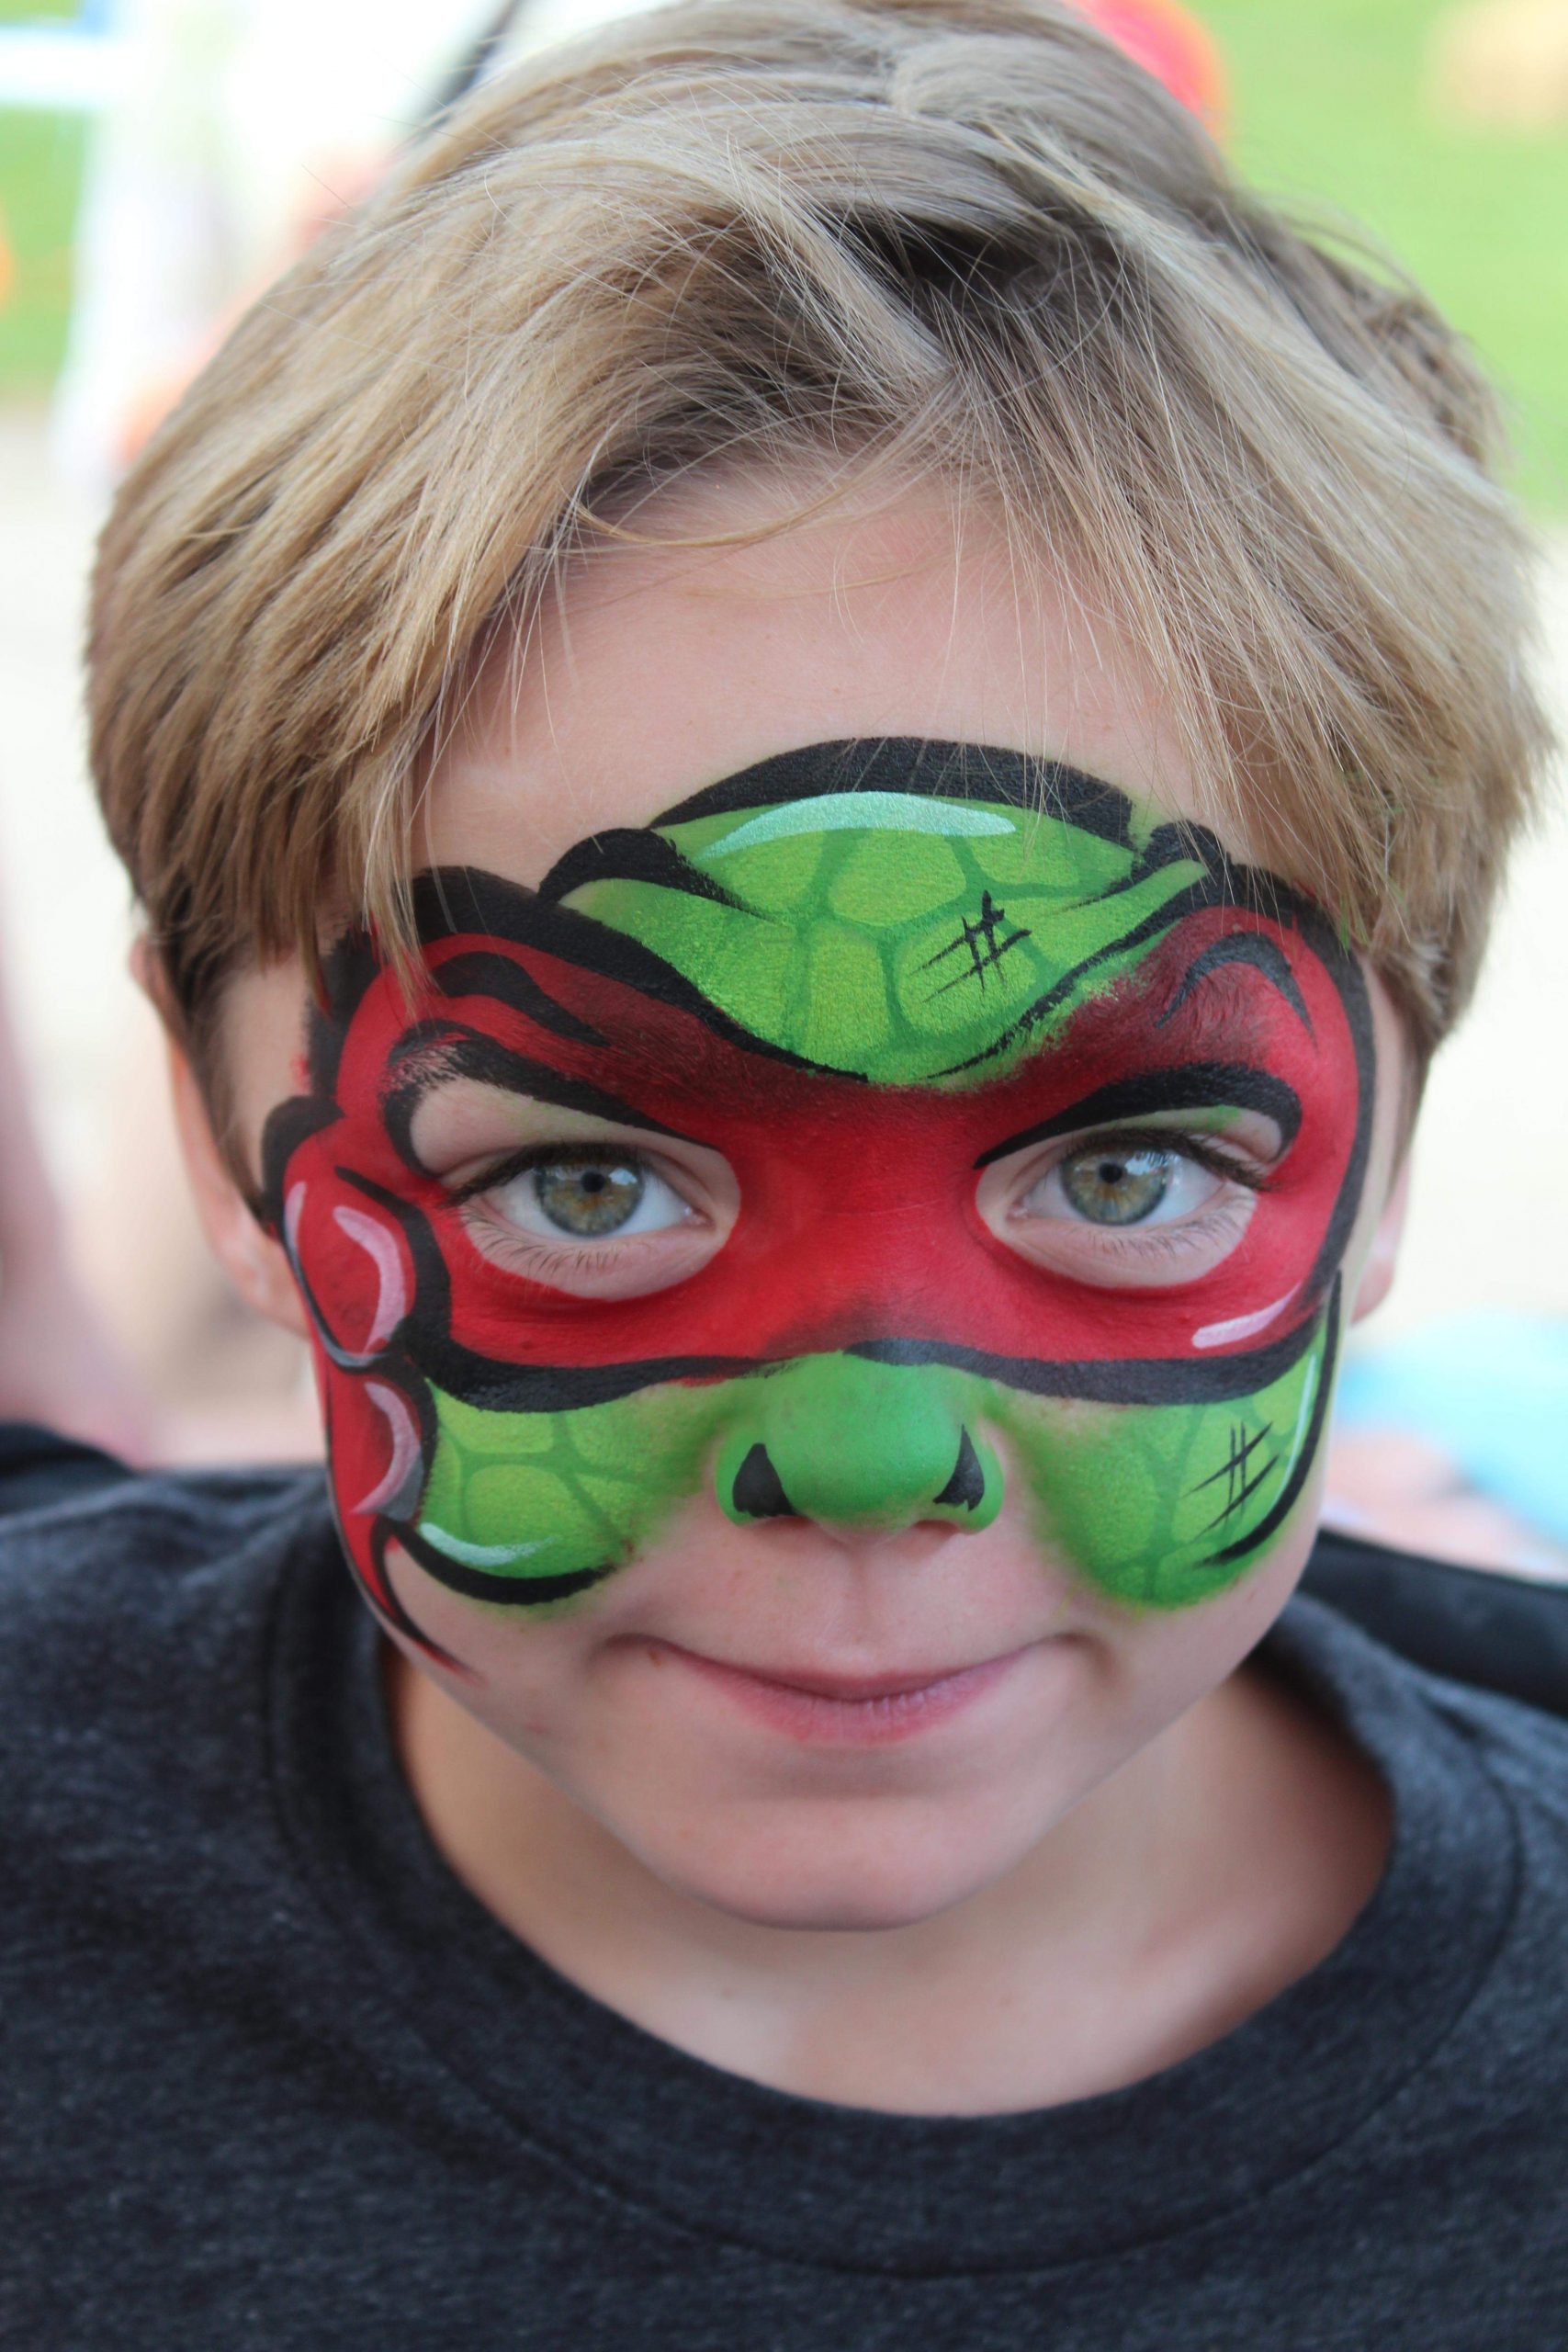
<point>858,1218</point>
<point>360,1255</point>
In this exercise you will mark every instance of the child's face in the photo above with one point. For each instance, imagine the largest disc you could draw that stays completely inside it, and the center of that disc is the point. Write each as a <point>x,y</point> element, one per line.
<point>827,1308</point>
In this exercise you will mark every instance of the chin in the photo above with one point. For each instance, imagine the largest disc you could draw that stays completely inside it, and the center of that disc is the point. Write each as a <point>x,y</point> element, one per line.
<point>857,1879</point>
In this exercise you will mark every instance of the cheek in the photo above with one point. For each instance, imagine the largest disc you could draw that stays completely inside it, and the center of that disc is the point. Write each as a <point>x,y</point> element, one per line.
<point>1164,1506</point>
<point>520,1513</point>
<point>571,1493</point>
<point>523,1678</point>
<point>353,1263</point>
<point>1167,1659</point>
<point>519,1519</point>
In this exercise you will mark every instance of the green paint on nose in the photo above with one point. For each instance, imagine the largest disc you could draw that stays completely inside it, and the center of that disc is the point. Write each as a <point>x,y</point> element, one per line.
<point>837,1439</point>
<point>1154,1506</point>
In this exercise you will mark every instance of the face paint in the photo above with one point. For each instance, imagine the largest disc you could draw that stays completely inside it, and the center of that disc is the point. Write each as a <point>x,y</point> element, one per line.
<point>867,977</point>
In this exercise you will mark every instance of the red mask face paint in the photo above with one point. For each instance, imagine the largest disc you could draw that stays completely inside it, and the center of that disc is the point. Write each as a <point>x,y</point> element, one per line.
<point>954,1025</point>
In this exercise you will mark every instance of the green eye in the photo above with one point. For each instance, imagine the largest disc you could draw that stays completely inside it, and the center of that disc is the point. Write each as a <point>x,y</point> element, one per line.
<point>1118,1187</point>
<point>588,1197</point>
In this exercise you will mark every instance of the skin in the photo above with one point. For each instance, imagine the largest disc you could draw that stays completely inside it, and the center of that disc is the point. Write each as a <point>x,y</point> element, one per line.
<point>1150,1074</point>
<point>1092,1832</point>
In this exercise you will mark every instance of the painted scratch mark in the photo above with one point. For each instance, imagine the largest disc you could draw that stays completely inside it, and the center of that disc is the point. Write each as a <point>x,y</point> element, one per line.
<point>983,943</point>
<point>1241,1481</point>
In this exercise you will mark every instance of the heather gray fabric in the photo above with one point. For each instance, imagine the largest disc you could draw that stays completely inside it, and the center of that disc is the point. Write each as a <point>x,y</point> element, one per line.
<point>273,2079</point>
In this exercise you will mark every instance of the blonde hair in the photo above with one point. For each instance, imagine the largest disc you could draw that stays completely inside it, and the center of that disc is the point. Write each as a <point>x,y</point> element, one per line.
<point>960,238</point>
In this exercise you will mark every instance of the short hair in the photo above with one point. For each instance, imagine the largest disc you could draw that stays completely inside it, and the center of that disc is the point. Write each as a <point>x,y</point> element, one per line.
<point>960,239</point>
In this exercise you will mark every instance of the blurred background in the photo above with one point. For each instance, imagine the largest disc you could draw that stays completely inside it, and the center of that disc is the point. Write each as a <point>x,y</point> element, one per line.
<point>160,159</point>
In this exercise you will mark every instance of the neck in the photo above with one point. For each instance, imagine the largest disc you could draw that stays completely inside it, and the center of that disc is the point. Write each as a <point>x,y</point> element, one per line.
<point>1222,1862</point>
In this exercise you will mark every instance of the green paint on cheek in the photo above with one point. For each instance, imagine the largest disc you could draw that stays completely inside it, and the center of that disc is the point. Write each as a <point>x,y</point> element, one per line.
<point>1157,1507</point>
<point>580,1490</point>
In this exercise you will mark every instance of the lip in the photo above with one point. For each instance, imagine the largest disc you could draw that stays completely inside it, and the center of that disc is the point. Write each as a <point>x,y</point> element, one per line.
<point>845,1709</point>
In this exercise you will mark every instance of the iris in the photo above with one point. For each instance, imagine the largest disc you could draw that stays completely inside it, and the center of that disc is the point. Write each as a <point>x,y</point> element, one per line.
<point>586,1195</point>
<point>1118,1187</point>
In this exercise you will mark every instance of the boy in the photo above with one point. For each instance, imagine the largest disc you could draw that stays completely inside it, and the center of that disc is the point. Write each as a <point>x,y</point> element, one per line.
<point>813,738</point>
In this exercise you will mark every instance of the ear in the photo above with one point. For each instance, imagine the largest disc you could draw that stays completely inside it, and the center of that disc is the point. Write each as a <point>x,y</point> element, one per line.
<point>1378,1272</point>
<point>253,1262</point>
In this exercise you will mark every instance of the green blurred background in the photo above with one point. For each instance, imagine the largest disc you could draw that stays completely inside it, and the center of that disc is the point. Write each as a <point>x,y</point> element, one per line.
<point>1327,106</point>
<point>40,171</point>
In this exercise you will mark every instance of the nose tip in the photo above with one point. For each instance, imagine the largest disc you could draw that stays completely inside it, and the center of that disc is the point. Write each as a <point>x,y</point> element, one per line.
<point>857,1446</point>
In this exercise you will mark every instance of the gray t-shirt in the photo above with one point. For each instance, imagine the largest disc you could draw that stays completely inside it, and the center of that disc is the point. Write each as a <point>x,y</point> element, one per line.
<point>272,2077</point>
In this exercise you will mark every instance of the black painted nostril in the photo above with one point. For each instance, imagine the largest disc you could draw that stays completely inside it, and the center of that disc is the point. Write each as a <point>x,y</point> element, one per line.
<point>965,1490</point>
<point>759,1491</point>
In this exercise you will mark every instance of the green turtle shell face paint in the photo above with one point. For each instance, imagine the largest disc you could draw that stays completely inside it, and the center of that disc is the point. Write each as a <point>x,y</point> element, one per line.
<point>1041,1128</point>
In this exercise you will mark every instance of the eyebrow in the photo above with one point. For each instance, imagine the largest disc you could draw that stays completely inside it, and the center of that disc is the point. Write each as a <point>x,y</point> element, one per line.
<point>1191,1086</point>
<point>450,1054</point>
<point>1252,947</point>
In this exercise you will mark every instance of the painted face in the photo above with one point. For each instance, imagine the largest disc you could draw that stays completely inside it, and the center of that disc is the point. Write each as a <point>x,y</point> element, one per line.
<point>1028,1133</point>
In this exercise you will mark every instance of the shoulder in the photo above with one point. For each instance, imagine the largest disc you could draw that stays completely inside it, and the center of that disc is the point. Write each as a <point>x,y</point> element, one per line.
<point>134,1615</point>
<point>1477,1627</point>
<point>1423,1642</point>
<point>1456,1680</point>
<point>95,1553</point>
<point>1452,1973</point>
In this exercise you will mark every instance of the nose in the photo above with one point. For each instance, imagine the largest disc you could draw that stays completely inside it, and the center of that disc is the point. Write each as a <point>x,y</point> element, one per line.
<point>855,1444</point>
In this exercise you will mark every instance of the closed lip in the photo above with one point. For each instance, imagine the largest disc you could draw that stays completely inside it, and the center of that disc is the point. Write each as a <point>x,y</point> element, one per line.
<point>850,1688</point>
<point>854,1709</point>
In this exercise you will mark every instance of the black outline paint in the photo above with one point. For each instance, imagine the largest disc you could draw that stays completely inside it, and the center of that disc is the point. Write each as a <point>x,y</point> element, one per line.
<point>481,972</point>
<point>1286,1500</point>
<point>757,1490</point>
<point>633,853</point>
<point>451,902</point>
<point>983,929</point>
<point>1186,1086</point>
<point>965,1489</point>
<point>448,1052</point>
<point>931,770</point>
<point>1252,947</point>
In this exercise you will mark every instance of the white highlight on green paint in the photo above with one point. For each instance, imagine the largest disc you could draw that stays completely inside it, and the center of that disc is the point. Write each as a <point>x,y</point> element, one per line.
<point>842,812</point>
<point>477,1555</point>
<point>1309,1390</point>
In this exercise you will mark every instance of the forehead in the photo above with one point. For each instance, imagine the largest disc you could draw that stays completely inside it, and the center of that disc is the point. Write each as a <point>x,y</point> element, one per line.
<point>660,669</point>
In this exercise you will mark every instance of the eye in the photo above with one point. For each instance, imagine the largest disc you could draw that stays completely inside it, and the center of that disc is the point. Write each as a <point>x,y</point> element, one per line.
<point>599,1217</point>
<point>587,1195</point>
<point>1119,1186</point>
<point>1132,1210</point>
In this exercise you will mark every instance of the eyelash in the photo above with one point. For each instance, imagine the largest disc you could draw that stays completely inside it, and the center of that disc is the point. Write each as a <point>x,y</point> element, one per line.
<point>1143,1244</point>
<point>1202,1150</point>
<point>1219,1161</point>
<point>517,1163</point>
<point>554,1262</point>
<point>538,1266</point>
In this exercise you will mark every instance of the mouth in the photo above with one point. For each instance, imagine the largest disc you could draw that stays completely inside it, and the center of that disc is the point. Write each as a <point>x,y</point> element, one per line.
<point>853,1711</point>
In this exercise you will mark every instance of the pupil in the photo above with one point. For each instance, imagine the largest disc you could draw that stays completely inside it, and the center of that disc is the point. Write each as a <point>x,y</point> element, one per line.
<point>1117,1188</point>
<point>588,1197</point>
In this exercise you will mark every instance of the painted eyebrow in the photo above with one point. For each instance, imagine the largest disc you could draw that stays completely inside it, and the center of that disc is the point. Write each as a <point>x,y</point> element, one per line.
<point>485,972</point>
<point>456,1054</point>
<point>1191,1086</point>
<point>1242,947</point>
